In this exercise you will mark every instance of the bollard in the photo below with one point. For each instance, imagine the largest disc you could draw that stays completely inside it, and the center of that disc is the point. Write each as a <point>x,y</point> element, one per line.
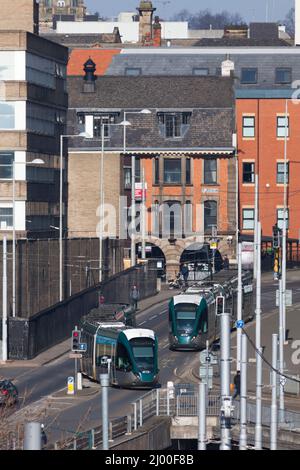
<point>135,415</point>
<point>157,402</point>
<point>32,436</point>
<point>141,412</point>
<point>129,425</point>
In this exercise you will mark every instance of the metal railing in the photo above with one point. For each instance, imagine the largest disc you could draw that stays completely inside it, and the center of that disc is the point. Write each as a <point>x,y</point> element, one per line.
<point>291,418</point>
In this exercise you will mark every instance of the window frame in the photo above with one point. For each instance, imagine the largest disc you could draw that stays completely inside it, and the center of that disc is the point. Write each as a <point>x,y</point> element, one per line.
<point>188,170</point>
<point>289,70</point>
<point>207,228</point>
<point>4,165</point>
<point>204,69</point>
<point>10,216</point>
<point>183,119</point>
<point>282,172</point>
<point>169,160</point>
<point>248,127</point>
<point>210,160</point>
<point>252,173</point>
<point>136,69</point>
<point>249,82</point>
<point>282,127</point>
<point>248,209</point>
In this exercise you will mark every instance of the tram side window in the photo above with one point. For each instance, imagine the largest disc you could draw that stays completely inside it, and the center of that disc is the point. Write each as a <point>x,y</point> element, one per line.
<point>100,352</point>
<point>123,362</point>
<point>204,322</point>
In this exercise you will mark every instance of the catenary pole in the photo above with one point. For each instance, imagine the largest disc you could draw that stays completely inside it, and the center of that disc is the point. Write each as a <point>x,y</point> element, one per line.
<point>256,219</point>
<point>4,299</point>
<point>258,427</point>
<point>274,410</point>
<point>281,355</point>
<point>243,401</point>
<point>143,215</point>
<point>239,306</point>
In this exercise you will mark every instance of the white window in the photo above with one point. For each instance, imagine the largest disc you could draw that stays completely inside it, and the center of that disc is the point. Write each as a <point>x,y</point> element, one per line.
<point>248,219</point>
<point>282,125</point>
<point>248,126</point>
<point>12,115</point>
<point>12,65</point>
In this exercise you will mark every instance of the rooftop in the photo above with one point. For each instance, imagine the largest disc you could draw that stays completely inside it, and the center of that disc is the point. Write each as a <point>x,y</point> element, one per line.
<point>178,92</point>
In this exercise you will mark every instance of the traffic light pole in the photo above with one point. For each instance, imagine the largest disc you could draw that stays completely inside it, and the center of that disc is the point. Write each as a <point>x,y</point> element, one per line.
<point>243,401</point>
<point>258,426</point>
<point>239,307</point>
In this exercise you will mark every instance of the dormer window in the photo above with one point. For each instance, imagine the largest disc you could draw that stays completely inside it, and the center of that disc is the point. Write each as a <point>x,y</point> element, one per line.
<point>173,125</point>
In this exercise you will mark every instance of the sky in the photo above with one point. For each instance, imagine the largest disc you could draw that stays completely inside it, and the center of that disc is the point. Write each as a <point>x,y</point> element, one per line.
<point>253,10</point>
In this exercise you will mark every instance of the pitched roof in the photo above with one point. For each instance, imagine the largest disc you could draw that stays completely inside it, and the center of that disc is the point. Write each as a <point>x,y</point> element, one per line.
<point>101,57</point>
<point>176,92</point>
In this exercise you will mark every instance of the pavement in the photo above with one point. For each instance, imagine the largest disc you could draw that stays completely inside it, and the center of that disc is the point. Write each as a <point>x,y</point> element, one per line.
<point>63,348</point>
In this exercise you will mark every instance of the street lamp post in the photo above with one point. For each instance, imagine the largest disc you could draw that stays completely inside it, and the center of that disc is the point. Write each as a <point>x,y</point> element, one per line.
<point>143,111</point>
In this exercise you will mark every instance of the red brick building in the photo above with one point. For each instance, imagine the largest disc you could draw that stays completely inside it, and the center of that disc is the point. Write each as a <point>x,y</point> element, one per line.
<point>261,124</point>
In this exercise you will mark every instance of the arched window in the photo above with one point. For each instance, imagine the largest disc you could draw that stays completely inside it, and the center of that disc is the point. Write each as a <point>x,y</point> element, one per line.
<point>210,215</point>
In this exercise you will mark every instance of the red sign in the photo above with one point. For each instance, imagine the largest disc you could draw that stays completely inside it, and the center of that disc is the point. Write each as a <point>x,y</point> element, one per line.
<point>139,191</point>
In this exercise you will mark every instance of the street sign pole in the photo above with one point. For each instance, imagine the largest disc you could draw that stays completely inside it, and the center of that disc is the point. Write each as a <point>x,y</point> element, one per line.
<point>226,402</point>
<point>202,416</point>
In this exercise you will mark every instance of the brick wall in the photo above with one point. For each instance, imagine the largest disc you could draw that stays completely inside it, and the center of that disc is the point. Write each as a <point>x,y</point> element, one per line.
<point>84,190</point>
<point>18,14</point>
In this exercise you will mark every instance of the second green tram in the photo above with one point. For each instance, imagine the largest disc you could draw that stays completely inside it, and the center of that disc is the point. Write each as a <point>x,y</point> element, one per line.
<point>132,354</point>
<point>192,314</point>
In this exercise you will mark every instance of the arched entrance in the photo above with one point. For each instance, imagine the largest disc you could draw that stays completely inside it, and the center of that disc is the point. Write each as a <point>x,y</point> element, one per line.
<point>153,252</point>
<point>200,259</point>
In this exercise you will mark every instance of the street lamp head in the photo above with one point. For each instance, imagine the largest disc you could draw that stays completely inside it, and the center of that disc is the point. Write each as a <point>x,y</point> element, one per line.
<point>125,123</point>
<point>36,161</point>
<point>145,111</point>
<point>86,135</point>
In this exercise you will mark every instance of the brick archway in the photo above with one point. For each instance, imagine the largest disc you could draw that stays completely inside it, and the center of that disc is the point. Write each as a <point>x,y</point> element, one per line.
<point>172,251</point>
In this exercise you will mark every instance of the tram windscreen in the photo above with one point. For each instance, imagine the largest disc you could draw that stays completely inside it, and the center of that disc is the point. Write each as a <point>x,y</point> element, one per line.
<point>185,317</point>
<point>143,352</point>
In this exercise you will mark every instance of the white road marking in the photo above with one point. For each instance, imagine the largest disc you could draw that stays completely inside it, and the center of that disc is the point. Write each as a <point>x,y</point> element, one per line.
<point>152,318</point>
<point>143,323</point>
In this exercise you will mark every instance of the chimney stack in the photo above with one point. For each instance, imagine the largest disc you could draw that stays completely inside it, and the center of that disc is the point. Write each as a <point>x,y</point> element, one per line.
<point>227,68</point>
<point>146,11</point>
<point>156,32</point>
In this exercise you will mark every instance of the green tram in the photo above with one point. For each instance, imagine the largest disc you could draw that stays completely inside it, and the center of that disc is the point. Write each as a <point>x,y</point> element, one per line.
<point>132,353</point>
<point>192,314</point>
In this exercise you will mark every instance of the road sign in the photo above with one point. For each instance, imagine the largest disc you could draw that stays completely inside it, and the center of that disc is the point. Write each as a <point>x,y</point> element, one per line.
<point>206,375</point>
<point>288,298</point>
<point>208,359</point>
<point>71,388</point>
<point>83,347</point>
<point>75,356</point>
<point>240,324</point>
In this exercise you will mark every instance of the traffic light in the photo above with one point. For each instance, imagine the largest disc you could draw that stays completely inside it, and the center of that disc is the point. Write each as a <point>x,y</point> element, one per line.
<point>76,334</point>
<point>220,305</point>
<point>276,237</point>
<point>277,264</point>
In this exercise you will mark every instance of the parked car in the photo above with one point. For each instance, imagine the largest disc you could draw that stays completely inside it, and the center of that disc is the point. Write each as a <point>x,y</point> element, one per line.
<point>8,393</point>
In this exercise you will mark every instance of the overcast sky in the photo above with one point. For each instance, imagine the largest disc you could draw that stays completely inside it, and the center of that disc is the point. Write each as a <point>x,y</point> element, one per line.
<point>253,10</point>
